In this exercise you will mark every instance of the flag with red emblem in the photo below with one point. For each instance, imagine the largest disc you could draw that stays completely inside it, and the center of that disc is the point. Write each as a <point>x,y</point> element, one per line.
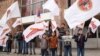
<point>32,31</point>
<point>94,24</point>
<point>81,11</point>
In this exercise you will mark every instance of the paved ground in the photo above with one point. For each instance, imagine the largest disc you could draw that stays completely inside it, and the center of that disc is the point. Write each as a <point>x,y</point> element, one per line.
<point>89,52</point>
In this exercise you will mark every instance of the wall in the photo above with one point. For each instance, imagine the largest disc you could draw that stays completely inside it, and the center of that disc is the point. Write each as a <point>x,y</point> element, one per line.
<point>4,4</point>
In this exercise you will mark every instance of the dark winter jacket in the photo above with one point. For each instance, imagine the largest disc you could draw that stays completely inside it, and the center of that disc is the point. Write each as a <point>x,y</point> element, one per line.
<point>80,40</point>
<point>62,32</point>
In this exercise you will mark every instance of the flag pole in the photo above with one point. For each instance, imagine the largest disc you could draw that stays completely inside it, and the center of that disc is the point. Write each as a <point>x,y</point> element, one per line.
<point>97,37</point>
<point>88,31</point>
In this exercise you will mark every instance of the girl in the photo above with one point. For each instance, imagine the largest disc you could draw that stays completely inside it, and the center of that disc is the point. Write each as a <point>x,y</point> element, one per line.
<point>53,41</point>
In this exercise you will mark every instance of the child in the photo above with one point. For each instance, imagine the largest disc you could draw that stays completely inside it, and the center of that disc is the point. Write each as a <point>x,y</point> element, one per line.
<point>53,41</point>
<point>44,45</point>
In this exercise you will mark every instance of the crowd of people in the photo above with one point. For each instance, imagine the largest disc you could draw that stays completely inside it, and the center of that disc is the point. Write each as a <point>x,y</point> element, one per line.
<point>49,43</point>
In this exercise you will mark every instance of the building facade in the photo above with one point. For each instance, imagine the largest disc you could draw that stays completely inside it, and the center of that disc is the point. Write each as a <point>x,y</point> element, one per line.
<point>31,7</point>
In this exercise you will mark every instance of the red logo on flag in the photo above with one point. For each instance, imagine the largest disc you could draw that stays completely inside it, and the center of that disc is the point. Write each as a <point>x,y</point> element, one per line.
<point>93,25</point>
<point>85,5</point>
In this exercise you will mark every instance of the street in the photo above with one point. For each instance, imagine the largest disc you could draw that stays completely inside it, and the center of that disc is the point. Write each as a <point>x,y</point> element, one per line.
<point>89,52</point>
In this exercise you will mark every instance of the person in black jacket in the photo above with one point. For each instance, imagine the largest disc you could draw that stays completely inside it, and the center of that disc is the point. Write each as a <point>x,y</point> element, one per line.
<point>80,39</point>
<point>20,41</point>
<point>1,48</point>
<point>62,32</point>
<point>9,42</point>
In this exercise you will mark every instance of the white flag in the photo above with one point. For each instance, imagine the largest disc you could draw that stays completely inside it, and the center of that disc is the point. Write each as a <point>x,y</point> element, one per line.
<point>17,22</point>
<point>52,7</point>
<point>3,41</point>
<point>75,30</point>
<point>81,25</point>
<point>1,27</point>
<point>46,25</point>
<point>12,12</point>
<point>4,31</point>
<point>81,11</point>
<point>32,31</point>
<point>3,38</point>
<point>54,24</point>
<point>94,24</point>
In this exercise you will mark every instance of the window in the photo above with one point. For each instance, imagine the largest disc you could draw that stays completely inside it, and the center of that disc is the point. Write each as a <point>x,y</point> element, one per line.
<point>26,7</point>
<point>37,6</point>
<point>30,7</point>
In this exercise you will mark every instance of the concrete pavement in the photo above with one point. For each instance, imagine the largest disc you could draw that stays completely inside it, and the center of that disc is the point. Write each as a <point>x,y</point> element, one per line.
<point>88,52</point>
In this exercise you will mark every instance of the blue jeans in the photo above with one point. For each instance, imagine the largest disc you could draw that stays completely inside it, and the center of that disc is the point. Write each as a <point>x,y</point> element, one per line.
<point>80,51</point>
<point>44,52</point>
<point>60,46</point>
<point>32,47</point>
<point>67,50</point>
<point>20,46</point>
<point>15,45</point>
<point>25,47</point>
<point>53,51</point>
